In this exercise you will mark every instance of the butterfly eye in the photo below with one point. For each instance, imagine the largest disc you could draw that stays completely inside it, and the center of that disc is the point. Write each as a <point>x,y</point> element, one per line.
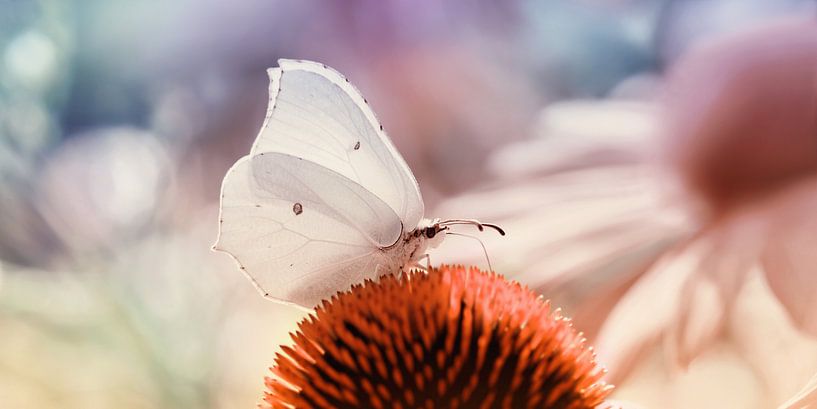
<point>431,232</point>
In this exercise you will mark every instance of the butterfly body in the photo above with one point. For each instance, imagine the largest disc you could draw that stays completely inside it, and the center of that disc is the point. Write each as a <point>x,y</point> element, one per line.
<point>417,242</point>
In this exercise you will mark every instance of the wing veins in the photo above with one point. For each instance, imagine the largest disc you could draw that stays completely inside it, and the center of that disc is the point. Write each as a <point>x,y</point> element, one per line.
<point>293,130</point>
<point>342,147</point>
<point>303,108</point>
<point>314,124</point>
<point>385,164</point>
<point>396,167</point>
<point>348,221</point>
<point>332,265</point>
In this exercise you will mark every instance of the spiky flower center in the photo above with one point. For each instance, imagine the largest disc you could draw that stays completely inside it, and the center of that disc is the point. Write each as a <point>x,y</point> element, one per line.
<point>448,338</point>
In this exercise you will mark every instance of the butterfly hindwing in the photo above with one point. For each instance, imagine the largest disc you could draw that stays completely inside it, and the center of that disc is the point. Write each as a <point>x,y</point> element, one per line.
<point>300,231</point>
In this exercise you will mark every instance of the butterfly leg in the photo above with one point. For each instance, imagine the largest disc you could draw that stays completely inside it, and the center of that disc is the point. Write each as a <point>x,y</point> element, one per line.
<point>423,267</point>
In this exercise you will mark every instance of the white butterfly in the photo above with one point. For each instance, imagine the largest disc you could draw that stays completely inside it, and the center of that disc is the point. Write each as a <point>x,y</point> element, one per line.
<point>323,200</point>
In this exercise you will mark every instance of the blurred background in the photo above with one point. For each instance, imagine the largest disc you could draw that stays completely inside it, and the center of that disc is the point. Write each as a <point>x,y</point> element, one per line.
<point>570,123</point>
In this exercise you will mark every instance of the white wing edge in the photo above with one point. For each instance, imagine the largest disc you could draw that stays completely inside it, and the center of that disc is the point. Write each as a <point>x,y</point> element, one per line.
<point>241,267</point>
<point>274,75</point>
<point>344,84</point>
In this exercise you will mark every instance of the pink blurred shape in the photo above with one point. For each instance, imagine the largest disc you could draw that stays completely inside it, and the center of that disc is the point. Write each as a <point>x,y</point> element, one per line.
<point>741,136</point>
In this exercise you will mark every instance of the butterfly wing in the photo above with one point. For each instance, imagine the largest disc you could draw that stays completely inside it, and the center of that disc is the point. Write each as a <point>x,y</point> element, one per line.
<point>314,113</point>
<point>300,231</point>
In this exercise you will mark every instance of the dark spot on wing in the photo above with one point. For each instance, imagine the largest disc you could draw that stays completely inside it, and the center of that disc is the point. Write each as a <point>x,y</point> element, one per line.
<point>381,127</point>
<point>357,145</point>
<point>297,208</point>
<point>258,205</point>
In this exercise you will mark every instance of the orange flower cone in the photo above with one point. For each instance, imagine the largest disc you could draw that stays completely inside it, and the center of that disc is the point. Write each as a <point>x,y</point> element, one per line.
<point>449,338</point>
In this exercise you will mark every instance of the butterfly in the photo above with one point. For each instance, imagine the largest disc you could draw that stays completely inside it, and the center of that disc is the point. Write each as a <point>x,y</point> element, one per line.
<point>324,200</point>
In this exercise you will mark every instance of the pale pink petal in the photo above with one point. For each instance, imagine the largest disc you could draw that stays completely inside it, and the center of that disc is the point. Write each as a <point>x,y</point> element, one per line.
<point>683,298</point>
<point>593,272</point>
<point>567,224</point>
<point>790,256</point>
<point>581,133</point>
<point>617,404</point>
<point>734,244</point>
<point>615,248</point>
<point>699,322</point>
<point>781,356</point>
<point>591,311</point>
<point>647,310</point>
<point>805,399</point>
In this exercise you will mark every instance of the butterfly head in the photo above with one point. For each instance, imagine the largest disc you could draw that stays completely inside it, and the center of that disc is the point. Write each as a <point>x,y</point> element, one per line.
<point>431,232</point>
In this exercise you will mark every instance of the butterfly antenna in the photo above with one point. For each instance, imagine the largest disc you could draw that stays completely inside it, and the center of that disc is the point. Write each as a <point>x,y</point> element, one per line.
<point>481,226</point>
<point>484,250</point>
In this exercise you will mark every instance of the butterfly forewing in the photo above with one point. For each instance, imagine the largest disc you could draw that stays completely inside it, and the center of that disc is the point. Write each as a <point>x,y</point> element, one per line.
<point>316,114</point>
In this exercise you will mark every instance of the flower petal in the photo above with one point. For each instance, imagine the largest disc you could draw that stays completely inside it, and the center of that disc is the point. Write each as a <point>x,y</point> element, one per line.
<point>617,404</point>
<point>647,310</point>
<point>789,258</point>
<point>783,358</point>
<point>698,323</point>
<point>733,244</point>
<point>804,398</point>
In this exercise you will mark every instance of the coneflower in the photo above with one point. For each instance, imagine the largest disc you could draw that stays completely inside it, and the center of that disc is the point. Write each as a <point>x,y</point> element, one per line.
<point>447,338</point>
